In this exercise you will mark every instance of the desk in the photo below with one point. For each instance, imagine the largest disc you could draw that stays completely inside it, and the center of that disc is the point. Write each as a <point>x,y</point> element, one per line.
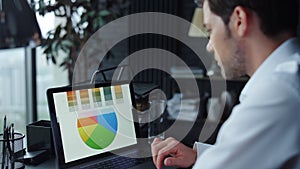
<point>189,139</point>
<point>52,162</point>
<point>49,164</point>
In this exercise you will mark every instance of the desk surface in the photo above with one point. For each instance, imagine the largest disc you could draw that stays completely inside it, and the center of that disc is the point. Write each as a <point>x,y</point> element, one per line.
<point>49,164</point>
<point>179,132</point>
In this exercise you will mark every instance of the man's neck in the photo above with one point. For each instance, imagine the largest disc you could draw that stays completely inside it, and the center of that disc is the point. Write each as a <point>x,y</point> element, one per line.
<point>260,48</point>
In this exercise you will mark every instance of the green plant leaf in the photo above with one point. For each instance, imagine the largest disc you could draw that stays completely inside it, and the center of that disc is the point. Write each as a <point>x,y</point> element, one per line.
<point>91,13</point>
<point>47,49</point>
<point>53,60</point>
<point>104,13</point>
<point>70,36</point>
<point>98,22</point>
<point>54,47</point>
<point>57,31</point>
<point>67,43</point>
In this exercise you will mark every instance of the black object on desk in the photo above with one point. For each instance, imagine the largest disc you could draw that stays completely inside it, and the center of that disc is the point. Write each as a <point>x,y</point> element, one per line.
<point>34,157</point>
<point>39,136</point>
<point>39,143</point>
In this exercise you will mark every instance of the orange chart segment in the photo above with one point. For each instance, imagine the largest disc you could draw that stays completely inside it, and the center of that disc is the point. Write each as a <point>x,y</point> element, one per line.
<point>87,121</point>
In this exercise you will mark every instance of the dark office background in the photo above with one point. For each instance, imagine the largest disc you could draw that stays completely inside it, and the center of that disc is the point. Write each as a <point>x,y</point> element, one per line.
<point>183,9</point>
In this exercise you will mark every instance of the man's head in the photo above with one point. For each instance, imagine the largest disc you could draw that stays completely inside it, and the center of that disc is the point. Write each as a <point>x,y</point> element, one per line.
<point>235,25</point>
<point>275,16</point>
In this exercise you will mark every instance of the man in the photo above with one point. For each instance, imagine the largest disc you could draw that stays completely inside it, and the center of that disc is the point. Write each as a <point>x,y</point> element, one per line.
<point>257,38</point>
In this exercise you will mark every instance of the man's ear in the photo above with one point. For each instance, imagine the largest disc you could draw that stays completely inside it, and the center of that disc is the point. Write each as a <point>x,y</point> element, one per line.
<point>239,21</point>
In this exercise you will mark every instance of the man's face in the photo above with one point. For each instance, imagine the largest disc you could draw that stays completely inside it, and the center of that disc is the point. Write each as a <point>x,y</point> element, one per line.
<point>227,50</point>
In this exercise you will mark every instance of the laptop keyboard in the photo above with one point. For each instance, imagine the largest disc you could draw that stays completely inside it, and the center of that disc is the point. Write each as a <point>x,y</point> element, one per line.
<point>116,163</point>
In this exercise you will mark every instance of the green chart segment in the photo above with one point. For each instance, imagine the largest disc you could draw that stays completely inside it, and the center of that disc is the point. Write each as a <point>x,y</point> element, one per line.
<point>99,131</point>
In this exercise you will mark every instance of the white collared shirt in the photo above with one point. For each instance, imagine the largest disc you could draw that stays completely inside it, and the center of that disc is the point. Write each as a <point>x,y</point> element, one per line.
<point>263,131</point>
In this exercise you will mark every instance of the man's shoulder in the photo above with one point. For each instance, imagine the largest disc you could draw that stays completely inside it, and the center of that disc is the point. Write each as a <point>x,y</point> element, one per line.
<point>283,81</point>
<point>288,73</point>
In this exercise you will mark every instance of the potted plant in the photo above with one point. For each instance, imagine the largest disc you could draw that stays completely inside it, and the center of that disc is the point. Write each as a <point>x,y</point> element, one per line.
<point>82,19</point>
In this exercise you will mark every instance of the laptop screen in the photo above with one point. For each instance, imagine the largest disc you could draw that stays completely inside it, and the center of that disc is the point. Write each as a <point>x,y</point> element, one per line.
<point>92,120</point>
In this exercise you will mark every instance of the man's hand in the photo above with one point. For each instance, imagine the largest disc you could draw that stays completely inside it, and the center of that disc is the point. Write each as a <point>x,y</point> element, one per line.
<point>172,153</point>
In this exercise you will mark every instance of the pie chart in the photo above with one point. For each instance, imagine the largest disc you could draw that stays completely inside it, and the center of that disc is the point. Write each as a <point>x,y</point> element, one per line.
<point>98,131</point>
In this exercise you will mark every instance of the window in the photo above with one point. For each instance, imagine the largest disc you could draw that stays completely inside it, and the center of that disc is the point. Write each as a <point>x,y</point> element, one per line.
<point>48,75</point>
<point>13,87</point>
<point>13,94</point>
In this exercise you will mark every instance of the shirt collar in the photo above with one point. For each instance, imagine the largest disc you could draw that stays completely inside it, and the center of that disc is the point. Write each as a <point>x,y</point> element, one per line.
<point>278,56</point>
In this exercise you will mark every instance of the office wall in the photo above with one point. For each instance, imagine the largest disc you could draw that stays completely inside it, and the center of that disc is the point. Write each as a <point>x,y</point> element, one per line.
<point>147,41</point>
<point>183,9</point>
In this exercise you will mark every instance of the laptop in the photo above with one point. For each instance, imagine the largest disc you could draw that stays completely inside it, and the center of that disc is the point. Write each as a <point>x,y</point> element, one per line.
<point>94,124</point>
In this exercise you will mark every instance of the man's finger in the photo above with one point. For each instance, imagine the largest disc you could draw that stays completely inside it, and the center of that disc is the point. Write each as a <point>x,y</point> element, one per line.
<point>155,149</point>
<point>156,146</point>
<point>168,149</point>
<point>173,161</point>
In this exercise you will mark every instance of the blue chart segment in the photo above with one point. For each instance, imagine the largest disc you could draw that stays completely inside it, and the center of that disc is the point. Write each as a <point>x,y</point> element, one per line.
<point>98,131</point>
<point>109,121</point>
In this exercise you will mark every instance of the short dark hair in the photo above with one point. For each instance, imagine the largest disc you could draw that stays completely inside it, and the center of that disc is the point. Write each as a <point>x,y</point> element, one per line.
<point>276,16</point>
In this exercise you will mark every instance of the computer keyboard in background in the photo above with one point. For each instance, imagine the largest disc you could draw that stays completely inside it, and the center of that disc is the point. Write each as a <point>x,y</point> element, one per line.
<point>116,163</point>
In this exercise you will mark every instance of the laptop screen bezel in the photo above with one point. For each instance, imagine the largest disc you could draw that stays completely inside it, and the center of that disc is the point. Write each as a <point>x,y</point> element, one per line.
<point>56,130</point>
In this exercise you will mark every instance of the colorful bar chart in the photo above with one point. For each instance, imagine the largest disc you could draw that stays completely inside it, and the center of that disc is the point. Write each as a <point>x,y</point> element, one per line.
<point>107,95</point>
<point>84,99</point>
<point>96,97</point>
<point>72,101</point>
<point>118,92</point>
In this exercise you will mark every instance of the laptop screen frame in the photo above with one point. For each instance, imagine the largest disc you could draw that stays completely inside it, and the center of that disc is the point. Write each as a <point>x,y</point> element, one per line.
<point>57,138</point>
